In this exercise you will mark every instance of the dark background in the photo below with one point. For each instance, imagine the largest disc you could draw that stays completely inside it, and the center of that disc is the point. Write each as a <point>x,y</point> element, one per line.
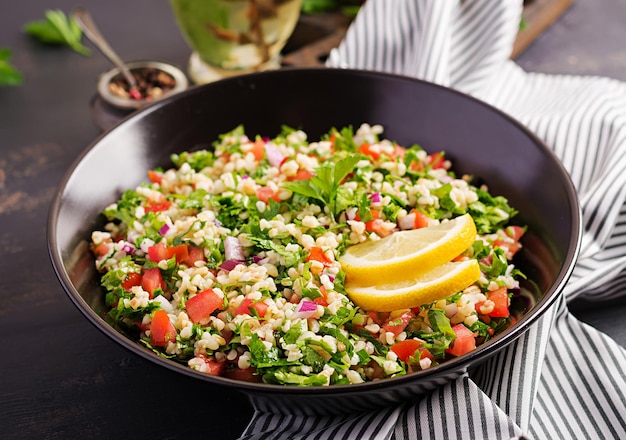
<point>60,377</point>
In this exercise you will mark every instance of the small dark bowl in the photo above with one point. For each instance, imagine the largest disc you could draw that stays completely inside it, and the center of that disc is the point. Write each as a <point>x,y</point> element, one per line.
<point>479,140</point>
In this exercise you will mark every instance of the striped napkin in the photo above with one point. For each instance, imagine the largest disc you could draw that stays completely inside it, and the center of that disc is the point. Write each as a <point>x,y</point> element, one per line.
<point>562,379</point>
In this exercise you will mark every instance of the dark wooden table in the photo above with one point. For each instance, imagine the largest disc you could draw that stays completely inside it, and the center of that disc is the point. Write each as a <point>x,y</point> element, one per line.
<point>60,377</point>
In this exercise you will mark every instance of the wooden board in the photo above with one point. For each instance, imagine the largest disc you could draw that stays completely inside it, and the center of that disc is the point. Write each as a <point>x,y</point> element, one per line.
<point>538,16</point>
<point>316,34</point>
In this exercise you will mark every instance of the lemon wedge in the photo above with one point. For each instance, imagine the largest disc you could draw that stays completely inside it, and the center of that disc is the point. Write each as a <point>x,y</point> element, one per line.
<point>441,282</point>
<point>407,254</point>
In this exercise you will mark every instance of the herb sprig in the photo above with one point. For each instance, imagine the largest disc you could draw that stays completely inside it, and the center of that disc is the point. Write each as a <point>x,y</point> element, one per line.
<point>325,184</point>
<point>57,28</point>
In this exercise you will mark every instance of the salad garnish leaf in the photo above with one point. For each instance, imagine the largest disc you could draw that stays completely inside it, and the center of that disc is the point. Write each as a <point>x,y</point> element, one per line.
<point>325,184</point>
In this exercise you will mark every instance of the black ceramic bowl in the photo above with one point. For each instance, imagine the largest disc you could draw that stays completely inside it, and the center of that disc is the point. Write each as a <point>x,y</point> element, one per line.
<point>477,138</point>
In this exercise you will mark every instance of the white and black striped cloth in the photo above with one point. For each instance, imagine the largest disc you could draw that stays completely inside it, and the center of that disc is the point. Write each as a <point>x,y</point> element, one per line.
<point>563,379</point>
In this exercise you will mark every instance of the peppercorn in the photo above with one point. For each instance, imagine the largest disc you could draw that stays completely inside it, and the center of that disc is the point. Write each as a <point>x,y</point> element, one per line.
<point>152,84</point>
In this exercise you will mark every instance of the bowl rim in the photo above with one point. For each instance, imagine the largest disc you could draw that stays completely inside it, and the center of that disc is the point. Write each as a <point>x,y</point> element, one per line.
<point>549,298</point>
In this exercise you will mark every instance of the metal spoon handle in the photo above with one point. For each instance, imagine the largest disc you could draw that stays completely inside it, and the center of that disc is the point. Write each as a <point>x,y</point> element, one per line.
<point>86,23</point>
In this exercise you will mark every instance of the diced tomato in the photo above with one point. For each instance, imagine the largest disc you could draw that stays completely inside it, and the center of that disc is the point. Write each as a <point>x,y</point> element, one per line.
<point>152,280</point>
<point>155,176</point>
<point>500,298</point>
<point>398,151</point>
<point>247,305</point>
<point>317,254</point>
<point>322,300</point>
<point>301,175</point>
<point>260,307</point>
<point>215,368</point>
<point>436,160</point>
<point>421,219</point>
<point>331,139</point>
<point>181,252</point>
<point>141,326</point>
<point>378,227</point>
<point>157,252</point>
<point>160,252</point>
<point>131,280</point>
<point>378,317</point>
<point>154,206</point>
<point>416,166</point>
<point>397,324</point>
<point>202,305</point>
<point>194,254</point>
<point>515,232</point>
<point>368,150</point>
<point>102,249</point>
<point>464,341</point>
<point>265,193</point>
<point>244,374</point>
<point>425,353</point>
<point>374,214</point>
<point>510,249</point>
<point>405,349</point>
<point>258,150</point>
<point>375,153</point>
<point>162,330</point>
<point>376,224</point>
<point>411,348</point>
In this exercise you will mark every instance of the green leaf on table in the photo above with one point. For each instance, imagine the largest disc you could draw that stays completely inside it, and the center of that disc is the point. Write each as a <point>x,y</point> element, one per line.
<point>9,75</point>
<point>57,28</point>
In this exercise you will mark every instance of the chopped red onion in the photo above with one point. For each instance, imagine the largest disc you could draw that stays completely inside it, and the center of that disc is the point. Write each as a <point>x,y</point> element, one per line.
<point>128,248</point>
<point>274,156</point>
<point>375,197</point>
<point>164,229</point>
<point>229,265</point>
<point>233,249</point>
<point>305,310</point>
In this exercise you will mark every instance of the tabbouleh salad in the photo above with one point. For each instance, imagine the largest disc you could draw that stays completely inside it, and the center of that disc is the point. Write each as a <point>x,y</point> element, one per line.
<point>228,262</point>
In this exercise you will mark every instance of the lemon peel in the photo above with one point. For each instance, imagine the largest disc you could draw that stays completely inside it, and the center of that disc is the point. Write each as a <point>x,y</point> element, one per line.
<point>441,282</point>
<point>407,254</point>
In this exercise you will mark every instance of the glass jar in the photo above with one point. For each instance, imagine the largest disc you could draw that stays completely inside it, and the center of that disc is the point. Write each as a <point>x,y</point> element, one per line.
<point>231,37</point>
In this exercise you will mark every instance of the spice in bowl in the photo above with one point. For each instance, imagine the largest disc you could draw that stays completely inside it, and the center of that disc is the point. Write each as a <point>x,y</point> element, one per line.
<point>155,80</point>
<point>152,84</point>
